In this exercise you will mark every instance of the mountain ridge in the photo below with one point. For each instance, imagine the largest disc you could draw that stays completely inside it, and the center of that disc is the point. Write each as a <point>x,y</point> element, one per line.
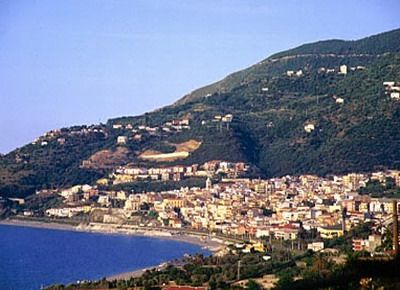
<point>289,115</point>
<point>318,47</point>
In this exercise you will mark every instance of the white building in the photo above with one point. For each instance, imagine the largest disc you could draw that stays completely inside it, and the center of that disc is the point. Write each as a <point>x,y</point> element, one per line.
<point>339,101</point>
<point>395,95</point>
<point>316,246</point>
<point>388,84</point>
<point>104,200</point>
<point>309,128</point>
<point>122,140</point>
<point>343,69</point>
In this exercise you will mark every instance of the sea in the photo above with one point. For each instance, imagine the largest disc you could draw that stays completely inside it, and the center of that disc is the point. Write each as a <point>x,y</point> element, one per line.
<point>31,258</point>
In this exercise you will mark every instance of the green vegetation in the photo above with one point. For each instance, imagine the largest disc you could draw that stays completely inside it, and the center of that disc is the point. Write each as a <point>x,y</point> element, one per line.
<point>215,272</point>
<point>294,269</point>
<point>306,271</point>
<point>35,167</point>
<point>378,189</point>
<point>355,274</point>
<point>361,134</point>
<point>377,44</point>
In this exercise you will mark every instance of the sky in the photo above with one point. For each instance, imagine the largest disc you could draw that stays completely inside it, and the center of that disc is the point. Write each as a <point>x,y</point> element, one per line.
<point>65,63</point>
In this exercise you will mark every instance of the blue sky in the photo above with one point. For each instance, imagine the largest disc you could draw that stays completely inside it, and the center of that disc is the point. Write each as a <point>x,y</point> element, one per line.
<point>72,62</point>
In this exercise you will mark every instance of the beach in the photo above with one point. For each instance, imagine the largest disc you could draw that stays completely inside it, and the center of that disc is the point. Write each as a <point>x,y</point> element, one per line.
<point>36,224</point>
<point>211,244</point>
<point>136,273</point>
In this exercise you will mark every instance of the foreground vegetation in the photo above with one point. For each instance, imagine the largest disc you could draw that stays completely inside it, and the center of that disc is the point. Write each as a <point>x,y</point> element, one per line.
<point>310,271</point>
<point>337,268</point>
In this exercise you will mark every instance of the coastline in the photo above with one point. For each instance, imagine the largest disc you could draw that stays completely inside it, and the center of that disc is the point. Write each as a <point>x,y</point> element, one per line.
<point>211,244</point>
<point>137,273</point>
<point>37,224</point>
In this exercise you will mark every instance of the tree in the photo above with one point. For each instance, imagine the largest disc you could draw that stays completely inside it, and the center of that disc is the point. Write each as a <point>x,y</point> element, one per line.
<point>253,285</point>
<point>285,280</point>
<point>212,283</point>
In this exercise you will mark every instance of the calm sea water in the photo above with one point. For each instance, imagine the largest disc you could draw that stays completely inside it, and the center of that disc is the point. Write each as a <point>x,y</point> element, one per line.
<point>32,257</point>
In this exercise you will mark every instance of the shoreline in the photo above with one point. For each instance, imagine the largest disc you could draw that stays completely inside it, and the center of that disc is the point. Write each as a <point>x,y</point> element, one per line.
<point>137,273</point>
<point>213,245</point>
<point>38,225</point>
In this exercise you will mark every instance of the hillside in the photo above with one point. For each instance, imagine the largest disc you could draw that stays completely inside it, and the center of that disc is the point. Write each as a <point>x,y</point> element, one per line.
<point>292,113</point>
<point>333,51</point>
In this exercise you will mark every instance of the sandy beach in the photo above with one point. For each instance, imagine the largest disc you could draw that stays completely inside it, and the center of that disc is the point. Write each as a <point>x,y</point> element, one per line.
<point>211,244</point>
<point>36,224</point>
<point>136,273</point>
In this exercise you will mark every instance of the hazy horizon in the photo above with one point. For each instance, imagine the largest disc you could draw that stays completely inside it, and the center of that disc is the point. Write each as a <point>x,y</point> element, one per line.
<point>72,62</point>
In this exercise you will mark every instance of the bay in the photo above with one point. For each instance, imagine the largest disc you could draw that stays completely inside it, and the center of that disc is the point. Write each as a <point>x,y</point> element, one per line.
<point>35,257</point>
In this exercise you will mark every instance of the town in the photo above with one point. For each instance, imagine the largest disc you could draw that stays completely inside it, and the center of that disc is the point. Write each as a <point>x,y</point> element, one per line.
<point>253,210</point>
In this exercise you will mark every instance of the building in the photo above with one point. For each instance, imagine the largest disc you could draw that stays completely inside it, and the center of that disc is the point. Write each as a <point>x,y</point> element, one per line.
<point>171,200</point>
<point>395,95</point>
<point>132,204</point>
<point>343,69</point>
<point>121,195</point>
<point>208,183</point>
<point>177,176</point>
<point>20,201</point>
<point>122,140</point>
<point>260,188</point>
<point>309,128</point>
<point>339,100</point>
<point>316,246</point>
<point>166,176</point>
<point>104,200</point>
<point>389,84</point>
<point>330,232</point>
<point>286,232</point>
<point>368,245</point>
